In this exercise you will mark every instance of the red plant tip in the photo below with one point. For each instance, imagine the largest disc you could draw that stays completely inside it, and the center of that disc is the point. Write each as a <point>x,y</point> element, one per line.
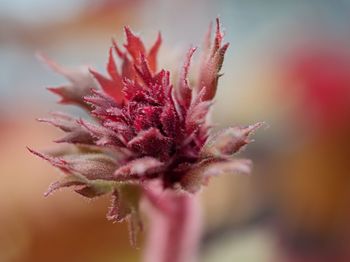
<point>144,127</point>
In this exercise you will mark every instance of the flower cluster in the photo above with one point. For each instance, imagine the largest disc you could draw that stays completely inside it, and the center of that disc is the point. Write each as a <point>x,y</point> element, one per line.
<point>143,127</point>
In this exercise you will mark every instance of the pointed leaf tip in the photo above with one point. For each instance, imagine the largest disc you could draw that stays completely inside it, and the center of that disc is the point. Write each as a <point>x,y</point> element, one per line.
<point>134,44</point>
<point>229,141</point>
<point>218,34</point>
<point>153,52</point>
<point>184,91</point>
<point>212,60</point>
<point>112,67</point>
<point>80,82</point>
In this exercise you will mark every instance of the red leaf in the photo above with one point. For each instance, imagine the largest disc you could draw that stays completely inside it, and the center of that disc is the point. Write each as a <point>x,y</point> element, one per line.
<point>184,91</point>
<point>112,68</point>
<point>199,174</point>
<point>153,52</point>
<point>137,168</point>
<point>80,83</point>
<point>211,64</point>
<point>112,88</point>
<point>91,166</point>
<point>75,133</point>
<point>134,45</point>
<point>104,136</point>
<point>228,141</point>
<point>169,120</point>
<point>82,186</point>
<point>151,143</point>
<point>66,181</point>
<point>144,71</point>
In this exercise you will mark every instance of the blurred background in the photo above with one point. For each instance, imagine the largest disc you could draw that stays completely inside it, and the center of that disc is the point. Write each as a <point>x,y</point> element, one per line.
<point>288,65</point>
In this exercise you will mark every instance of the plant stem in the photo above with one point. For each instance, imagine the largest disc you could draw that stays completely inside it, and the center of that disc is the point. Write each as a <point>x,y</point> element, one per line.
<point>175,227</point>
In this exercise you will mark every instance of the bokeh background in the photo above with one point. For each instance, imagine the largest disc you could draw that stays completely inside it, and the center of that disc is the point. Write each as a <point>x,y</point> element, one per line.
<point>288,65</point>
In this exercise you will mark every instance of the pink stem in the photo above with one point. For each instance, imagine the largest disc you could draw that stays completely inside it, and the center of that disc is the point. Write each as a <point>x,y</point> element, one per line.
<point>175,225</point>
